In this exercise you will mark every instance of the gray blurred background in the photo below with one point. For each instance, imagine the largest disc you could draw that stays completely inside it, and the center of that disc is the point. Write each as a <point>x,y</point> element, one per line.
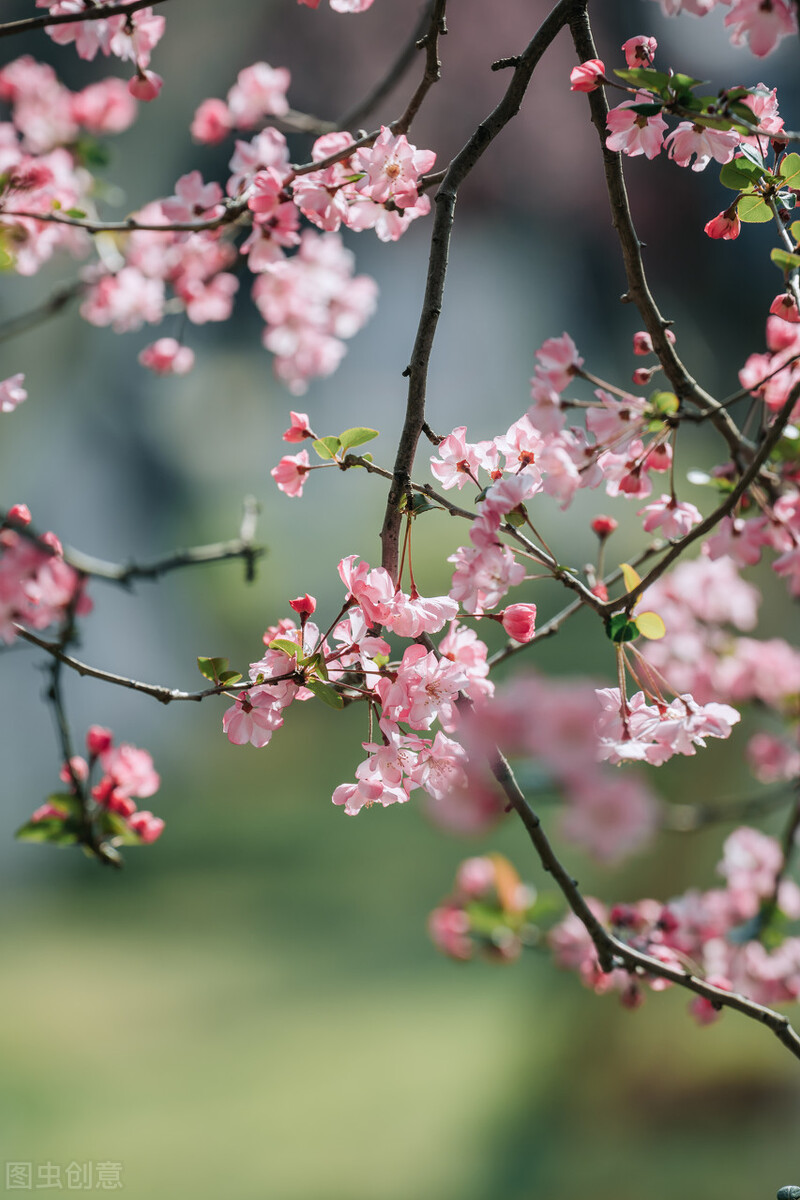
<point>252,1008</point>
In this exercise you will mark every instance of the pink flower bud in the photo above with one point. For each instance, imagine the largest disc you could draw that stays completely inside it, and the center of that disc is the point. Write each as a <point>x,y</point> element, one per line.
<point>785,306</point>
<point>642,343</point>
<point>166,356</point>
<point>303,605</point>
<point>588,76</point>
<point>299,429</point>
<point>80,769</point>
<point>52,541</point>
<point>725,225</point>
<point>98,740</point>
<point>604,526</point>
<point>519,621</point>
<point>20,513</point>
<point>601,591</point>
<point>643,375</point>
<point>146,85</point>
<point>148,827</point>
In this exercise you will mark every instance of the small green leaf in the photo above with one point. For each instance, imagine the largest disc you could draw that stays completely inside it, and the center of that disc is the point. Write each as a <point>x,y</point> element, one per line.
<point>326,693</point>
<point>115,827</point>
<point>664,402</point>
<point>620,628</point>
<point>327,447</point>
<point>91,153</point>
<point>646,110</point>
<point>356,436</point>
<point>753,211</point>
<point>229,677</point>
<point>784,260</point>
<point>78,213</point>
<point>750,152</point>
<point>517,518</point>
<point>51,829</point>
<point>794,230</point>
<point>790,171</point>
<point>685,83</point>
<point>380,660</point>
<point>211,667</point>
<point>286,645</point>
<point>317,663</point>
<point>644,77</point>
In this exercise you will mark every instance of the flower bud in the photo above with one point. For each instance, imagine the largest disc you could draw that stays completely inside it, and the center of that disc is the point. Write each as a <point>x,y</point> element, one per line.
<point>304,606</point>
<point>98,740</point>
<point>519,621</point>
<point>20,513</point>
<point>604,526</point>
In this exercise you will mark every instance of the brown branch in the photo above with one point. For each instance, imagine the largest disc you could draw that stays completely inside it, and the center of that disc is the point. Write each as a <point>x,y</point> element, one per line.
<point>688,818</point>
<point>164,694</point>
<point>392,77</point>
<point>90,14</point>
<point>445,201</point>
<point>685,386</point>
<point>52,307</point>
<point>613,953</point>
<point>232,211</point>
<point>772,438</point>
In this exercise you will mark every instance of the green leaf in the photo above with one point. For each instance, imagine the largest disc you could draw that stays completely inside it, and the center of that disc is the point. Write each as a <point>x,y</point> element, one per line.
<point>91,153</point>
<point>327,447</point>
<point>286,645</point>
<point>620,628</point>
<point>750,152</point>
<point>516,518</point>
<point>664,402</point>
<point>644,77</point>
<point>326,693</point>
<point>784,260</point>
<point>356,436</point>
<point>229,677</point>
<point>794,230</point>
<point>212,667</point>
<point>115,827</point>
<point>317,663</point>
<point>753,211</point>
<point>647,110</point>
<point>790,171</point>
<point>685,83</point>
<point>51,829</point>
<point>740,174</point>
<point>78,213</point>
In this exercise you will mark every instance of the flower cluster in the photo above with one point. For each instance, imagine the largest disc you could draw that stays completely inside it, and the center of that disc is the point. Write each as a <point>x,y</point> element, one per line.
<point>106,810</point>
<point>730,936</point>
<point>128,36</point>
<point>37,588</point>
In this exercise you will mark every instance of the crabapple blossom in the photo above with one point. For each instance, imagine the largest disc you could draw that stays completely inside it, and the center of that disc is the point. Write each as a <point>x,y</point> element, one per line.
<point>12,393</point>
<point>674,518</point>
<point>167,357</point>
<point>632,133</point>
<point>519,621</point>
<point>639,51</point>
<point>588,76</point>
<point>725,225</point>
<point>290,473</point>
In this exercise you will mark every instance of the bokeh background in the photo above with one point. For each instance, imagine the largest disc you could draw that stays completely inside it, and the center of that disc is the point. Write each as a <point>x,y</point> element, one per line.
<point>252,1008</point>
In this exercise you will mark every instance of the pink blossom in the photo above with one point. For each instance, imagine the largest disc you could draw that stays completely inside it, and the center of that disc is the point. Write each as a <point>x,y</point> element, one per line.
<point>212,122</point>
<point>741,540</point>
<point>392,169</point>
<point>411,616</point>
<point>556,362</point>
<point>725,225</point>
<point>253,719</point>
<point>771,759</point>
<point>632,133</point>
<point>148,827</point>
<point>675,518</point>
<point>640,51</point>
<point>449,925</point>
<point>104,107</point>
<point>167,357</point>
<point>259,91</point>
<point>12,393</point>
<point>299,429</point>
<point>460,460</point>
<point>688,139</point>
<point>131,770</point>
<point>588,76</point>
<point>440,767</point>
<point>761,23</point>
<point>98,740</point>
<point>611,817</point>
<point>372,589</point>
<point>463,646</point>
<point>290,473</point>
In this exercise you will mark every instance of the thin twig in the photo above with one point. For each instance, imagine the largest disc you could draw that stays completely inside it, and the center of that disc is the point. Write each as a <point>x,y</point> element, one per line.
<point>89,14</point>
<point>686,387</point>
<point>43,312</point>
<point>385,86</point>
<point>445,201</point>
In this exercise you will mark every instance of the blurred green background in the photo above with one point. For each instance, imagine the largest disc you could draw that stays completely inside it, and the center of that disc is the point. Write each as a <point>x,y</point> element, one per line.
<point>252,1008</point>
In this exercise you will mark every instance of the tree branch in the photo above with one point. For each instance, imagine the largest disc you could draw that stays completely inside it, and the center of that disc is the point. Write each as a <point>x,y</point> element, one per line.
<point>89,14</point>
<point>445,202</point>
<point>611,952</point>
